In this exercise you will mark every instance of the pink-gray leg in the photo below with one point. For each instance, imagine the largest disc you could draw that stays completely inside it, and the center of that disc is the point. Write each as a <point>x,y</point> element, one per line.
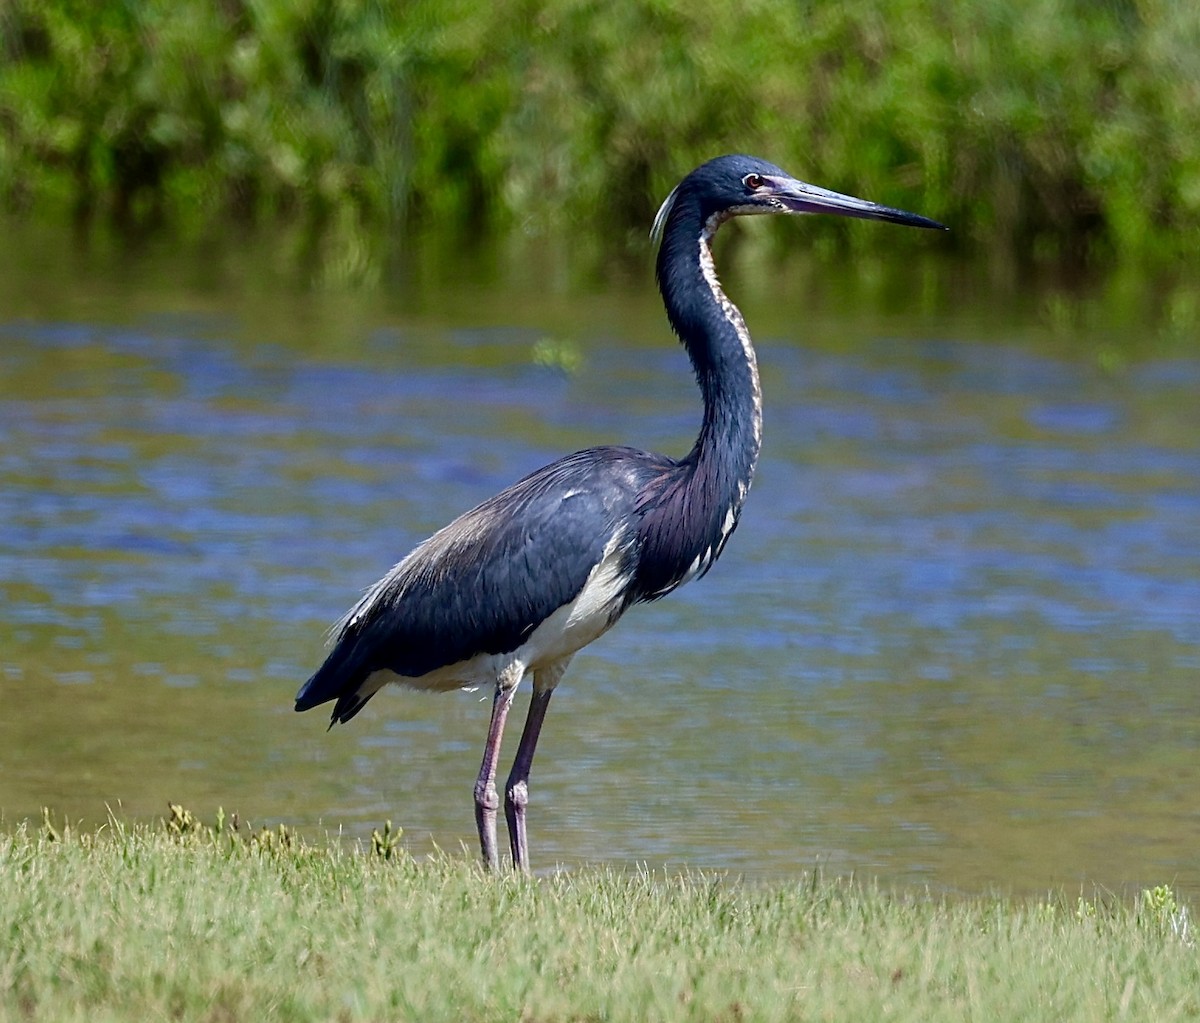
<point>516,790</point>
<point>487,800</point>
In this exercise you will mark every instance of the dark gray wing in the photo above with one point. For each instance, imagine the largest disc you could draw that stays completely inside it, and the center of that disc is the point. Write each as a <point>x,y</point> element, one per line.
<point>486,581</point>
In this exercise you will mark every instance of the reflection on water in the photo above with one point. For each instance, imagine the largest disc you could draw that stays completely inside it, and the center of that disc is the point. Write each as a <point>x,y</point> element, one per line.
<point>956,639</point>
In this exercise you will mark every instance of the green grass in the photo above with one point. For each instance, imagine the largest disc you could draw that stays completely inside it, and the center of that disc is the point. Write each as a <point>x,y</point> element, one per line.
<point>188,922</point>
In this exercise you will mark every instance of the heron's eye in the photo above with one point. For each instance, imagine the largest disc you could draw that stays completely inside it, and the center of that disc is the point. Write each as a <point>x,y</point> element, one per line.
<point>753,181</point>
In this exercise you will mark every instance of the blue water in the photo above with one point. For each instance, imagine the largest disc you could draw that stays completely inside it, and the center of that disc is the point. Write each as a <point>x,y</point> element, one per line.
<point>955,641</point>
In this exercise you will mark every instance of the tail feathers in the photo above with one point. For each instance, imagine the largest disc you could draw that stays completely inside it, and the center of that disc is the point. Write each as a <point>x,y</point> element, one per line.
<point>343,678</point>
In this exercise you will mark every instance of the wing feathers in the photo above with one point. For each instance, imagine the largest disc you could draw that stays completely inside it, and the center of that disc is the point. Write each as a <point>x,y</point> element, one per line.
<point>483,583</point>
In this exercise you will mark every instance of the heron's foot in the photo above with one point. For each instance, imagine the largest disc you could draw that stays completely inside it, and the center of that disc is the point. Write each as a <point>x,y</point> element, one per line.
<point>516,798</point>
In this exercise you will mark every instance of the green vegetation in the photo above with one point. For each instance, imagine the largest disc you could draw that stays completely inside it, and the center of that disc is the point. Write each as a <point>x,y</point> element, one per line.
<point>190,922</point>
<point>1059,127</point>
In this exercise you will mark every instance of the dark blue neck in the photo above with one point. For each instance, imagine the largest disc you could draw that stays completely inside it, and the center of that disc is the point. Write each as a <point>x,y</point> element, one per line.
<point>714,334</point>
<point>690,514</point>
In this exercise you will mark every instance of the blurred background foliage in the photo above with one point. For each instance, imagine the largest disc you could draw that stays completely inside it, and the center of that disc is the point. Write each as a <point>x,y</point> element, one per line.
<point>1068,129</point>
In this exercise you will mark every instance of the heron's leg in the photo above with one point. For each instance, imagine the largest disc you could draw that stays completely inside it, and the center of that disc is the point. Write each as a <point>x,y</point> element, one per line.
<point>516,791</point>
<point>487,800</point>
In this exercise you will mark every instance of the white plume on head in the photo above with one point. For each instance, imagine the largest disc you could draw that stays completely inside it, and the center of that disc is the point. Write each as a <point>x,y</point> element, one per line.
<point>660,218</point>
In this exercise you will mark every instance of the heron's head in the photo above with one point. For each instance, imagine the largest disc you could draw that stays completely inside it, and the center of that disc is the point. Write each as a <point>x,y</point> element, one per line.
<point>732,186</point>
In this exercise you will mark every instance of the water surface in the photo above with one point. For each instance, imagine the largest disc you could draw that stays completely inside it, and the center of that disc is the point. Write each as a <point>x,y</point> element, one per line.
<point>955,641</point>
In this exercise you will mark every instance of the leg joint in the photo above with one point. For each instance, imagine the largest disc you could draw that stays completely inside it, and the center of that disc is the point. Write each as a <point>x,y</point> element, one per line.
<point>516,795</point>
<point>486,796</point>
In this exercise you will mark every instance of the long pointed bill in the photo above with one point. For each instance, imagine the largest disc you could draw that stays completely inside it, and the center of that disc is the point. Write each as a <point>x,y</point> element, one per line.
<point>800,197</point>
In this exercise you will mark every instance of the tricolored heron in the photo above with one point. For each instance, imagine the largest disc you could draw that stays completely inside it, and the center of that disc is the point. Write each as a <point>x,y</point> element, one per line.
<point>516,586</point>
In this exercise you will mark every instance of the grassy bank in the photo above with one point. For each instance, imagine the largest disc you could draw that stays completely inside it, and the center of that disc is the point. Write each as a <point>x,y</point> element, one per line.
<point>1053,126</point>
<point>187,922</point>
